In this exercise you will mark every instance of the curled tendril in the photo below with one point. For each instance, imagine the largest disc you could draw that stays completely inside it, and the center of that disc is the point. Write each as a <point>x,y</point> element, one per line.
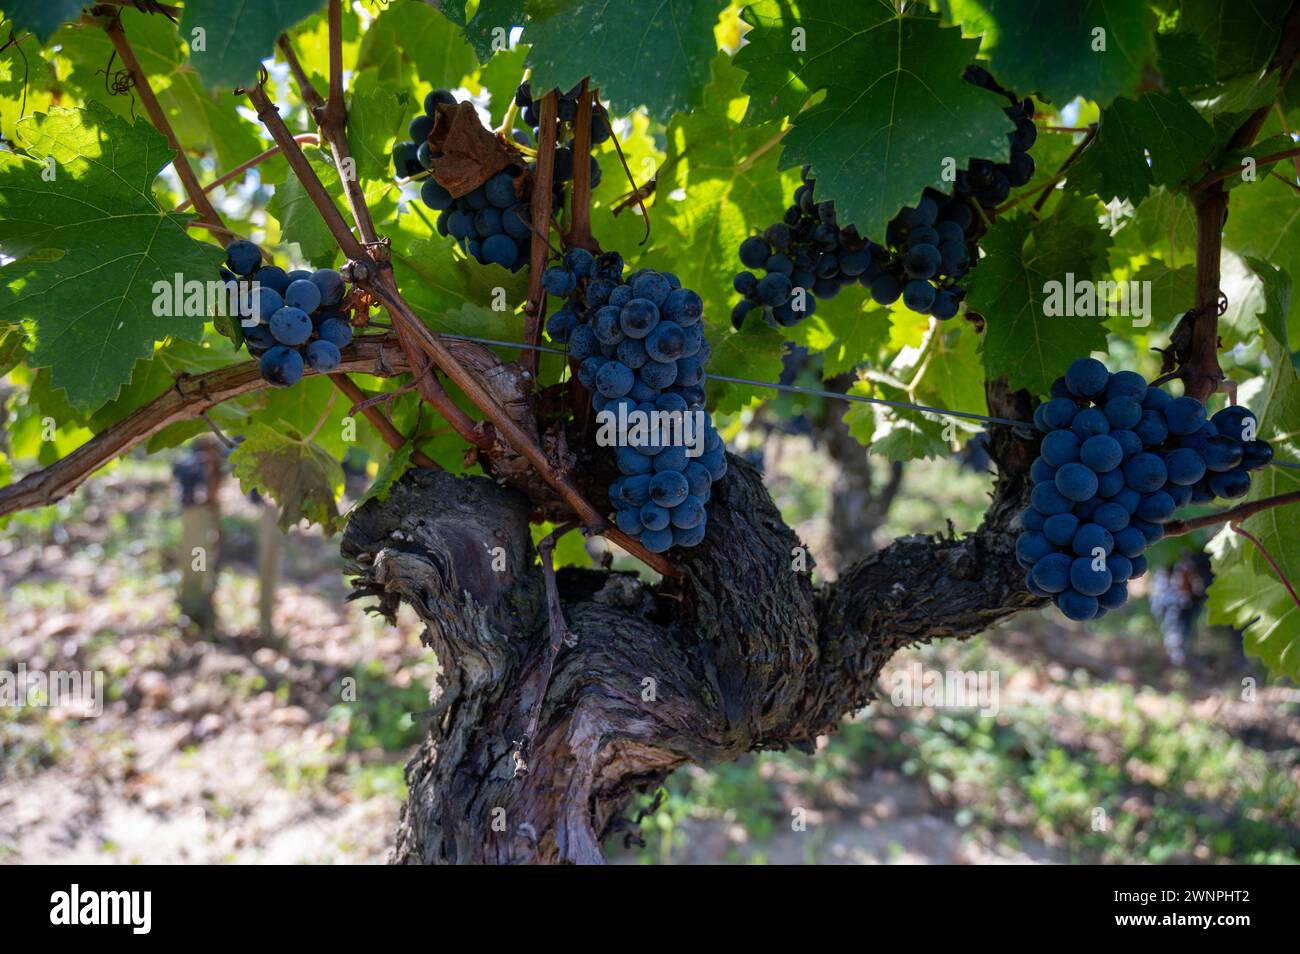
<point>119,82</point>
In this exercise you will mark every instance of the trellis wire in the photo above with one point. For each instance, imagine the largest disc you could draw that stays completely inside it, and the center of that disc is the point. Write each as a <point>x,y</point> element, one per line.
<point>796,389</point>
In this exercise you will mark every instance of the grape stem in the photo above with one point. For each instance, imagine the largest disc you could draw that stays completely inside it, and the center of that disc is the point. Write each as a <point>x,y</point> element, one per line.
<point>1177,528</point>
<point>638,192</point>
<point>184,171</point>
<point>579,233</point>
<point>1089,135</point>
<point>195,194</point>
<point>1231,171</point>
<point>1286,128</point>
<point>540,214</point>
<point>431,390</point>
<point>508,120</point>
<point>190,397</point>
<point>324,416</point>
<point>1295,187</point>
<point>761,151</point>
<point>391,435</point>
<point>1277,570</point>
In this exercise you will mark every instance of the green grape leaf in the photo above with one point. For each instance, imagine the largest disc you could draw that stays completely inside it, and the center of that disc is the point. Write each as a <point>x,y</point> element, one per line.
<point>896,114</point>
<point>43,17</point>
<point>453,10</point>
<point>492,21</point>
<point>1166,220</point>
<point>201,120</point>
<point>905,435</point>
<point>656,57</point>
<point>398,463</point>
<point>1010,289</point>
<point>499,78</point>
<point>1248,160</point>
<point>900,434</point>
<point>1098,48</point>
<point>945,379</point>
<point>718,185</point>
<point>13,349</point>
<point>1173,291</point>
<point>303,479</point>
<point>90,243</point>
<point>1277,305</point>
<point>436,284</point>
<point>1261,224</point>
<point>1242,37</point>
<point>299,220</point>
<point>302,224</point>
<point>1259,604</point>
<point>312,406</point>
<point>570,549</point>
<point>845,337</point>
<point>25,81</point>
<point>1163,126</point>
<point>157,374</point>
<point>430,41</point>
<point>1184,59</point>
<point>377,116</point>
<point>238,35</point>
<point>753,353</point>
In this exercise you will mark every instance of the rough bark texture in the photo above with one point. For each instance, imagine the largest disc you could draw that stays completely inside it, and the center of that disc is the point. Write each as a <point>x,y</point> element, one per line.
<point>743,653</point>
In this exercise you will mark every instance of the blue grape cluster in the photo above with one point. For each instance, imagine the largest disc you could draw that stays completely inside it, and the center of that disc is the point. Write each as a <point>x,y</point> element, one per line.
<point>928,248</point>
<point>638,343</point>
<point>299,316</point>
<point>989,183</point>
<point>1117,460</point>
<point>492,222</point>
<point>804,257</point>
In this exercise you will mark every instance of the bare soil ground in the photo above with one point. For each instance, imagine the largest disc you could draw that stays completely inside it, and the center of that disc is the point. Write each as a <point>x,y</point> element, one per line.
<point>230,748</point>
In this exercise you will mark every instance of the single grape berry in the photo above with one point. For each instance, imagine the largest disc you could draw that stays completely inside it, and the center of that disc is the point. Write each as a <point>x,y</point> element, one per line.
<point>282,367</point>
<point>243,257</point>
<point>336,332</point>
<point>558,281</point>
<point>323,356</point>
<point>303,294</point>
<point>291,326</point>
<point>1185,415</point>
<point>1087,377</point>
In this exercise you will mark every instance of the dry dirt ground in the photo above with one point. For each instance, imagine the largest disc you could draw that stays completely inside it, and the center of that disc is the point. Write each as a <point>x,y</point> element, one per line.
<point>227,747</point>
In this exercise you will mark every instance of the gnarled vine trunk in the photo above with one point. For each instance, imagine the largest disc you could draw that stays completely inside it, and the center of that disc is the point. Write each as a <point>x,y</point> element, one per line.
<point>742,653</point>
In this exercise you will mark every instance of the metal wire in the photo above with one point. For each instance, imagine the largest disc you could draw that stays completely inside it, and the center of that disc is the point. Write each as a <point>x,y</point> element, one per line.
<point>812,392</point>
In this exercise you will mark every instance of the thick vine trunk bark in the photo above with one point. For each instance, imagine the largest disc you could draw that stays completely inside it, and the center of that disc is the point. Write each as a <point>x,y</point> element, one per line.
<point>743,653</point>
